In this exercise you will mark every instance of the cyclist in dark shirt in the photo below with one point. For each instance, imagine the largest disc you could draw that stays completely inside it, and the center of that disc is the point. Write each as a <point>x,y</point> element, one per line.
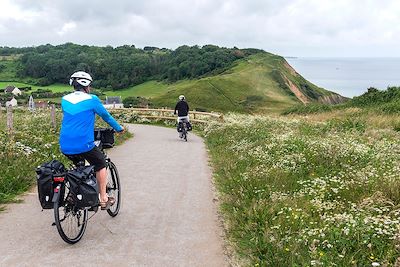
<point>182,108</point>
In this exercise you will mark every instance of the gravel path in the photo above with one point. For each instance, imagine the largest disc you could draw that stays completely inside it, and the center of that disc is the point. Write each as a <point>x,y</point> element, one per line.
<point>167,217</point>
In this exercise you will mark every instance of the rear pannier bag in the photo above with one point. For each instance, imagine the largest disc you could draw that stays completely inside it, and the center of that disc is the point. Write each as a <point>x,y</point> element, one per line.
<point>83,186</point>
<point>45,185</point>
<point>189,126</point>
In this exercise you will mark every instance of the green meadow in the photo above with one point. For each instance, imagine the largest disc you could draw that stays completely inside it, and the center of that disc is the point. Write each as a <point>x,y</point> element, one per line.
<point>54,87</point>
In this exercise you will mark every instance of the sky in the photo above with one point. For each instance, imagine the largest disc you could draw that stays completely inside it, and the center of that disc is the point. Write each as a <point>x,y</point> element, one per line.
<point>302,28</point>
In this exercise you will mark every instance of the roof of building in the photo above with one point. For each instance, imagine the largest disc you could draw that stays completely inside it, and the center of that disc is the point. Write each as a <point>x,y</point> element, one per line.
<point>9,89</point>
<point>113,100</point>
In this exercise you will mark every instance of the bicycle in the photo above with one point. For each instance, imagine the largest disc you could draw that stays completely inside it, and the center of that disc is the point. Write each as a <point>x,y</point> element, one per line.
<point>184,129</point>
<point>183,134</point>
<point>70,219</point>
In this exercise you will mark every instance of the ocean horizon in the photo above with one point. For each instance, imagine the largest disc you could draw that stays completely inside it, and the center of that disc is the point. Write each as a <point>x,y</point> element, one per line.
<point>348,76</point>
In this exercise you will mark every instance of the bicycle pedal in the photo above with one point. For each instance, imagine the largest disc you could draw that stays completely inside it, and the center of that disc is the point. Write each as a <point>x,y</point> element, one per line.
<point>53,224</point>
<point>95,208</point>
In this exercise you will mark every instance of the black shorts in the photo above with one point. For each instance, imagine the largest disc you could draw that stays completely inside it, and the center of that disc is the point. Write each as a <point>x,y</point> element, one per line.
<point>94,157</point>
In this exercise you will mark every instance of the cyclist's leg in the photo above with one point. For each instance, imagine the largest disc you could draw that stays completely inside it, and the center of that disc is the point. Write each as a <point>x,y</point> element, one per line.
<point>76,159</point>
<point>189,126</point>
<point>179,126</point>
<point>96,157</point>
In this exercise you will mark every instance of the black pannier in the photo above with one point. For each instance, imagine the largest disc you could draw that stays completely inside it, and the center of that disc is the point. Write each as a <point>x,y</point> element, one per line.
<point>189,126</point>
<point>105,135</point>
<point>45,174</point>
<point>179,127</point>
<point>83,186</point>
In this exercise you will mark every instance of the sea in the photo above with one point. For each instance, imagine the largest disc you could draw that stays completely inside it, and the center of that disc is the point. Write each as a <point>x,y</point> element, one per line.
<point>348,76</point>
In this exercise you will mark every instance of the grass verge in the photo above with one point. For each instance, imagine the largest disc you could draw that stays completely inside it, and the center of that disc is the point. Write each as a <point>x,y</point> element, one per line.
<point>34,142</point>
<point>301,193</point>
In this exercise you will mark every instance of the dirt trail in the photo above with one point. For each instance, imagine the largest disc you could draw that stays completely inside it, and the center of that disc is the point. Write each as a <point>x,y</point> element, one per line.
<point>167,217</point>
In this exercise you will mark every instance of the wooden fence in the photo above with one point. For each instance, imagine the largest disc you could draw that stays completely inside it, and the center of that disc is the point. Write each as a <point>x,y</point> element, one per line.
<point>168,114</point>
<point>148,113</point>
<point>10,118</point>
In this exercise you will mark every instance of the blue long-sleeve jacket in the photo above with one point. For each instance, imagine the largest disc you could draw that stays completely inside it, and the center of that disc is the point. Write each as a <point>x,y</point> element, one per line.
<point>77,128</point>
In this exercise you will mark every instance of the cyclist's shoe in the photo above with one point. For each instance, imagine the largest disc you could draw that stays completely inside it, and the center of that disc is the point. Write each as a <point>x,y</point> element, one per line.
<point>107,204</point>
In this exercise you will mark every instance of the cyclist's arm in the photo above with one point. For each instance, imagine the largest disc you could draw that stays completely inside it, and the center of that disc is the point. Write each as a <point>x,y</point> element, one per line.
<point>187,105</point>
<point>176,108</point>
<point>105,115</point>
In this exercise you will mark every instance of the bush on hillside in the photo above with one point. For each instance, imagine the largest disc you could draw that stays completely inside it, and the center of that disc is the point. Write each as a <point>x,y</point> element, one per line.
<point>136,101</point>
<point>308,109</point>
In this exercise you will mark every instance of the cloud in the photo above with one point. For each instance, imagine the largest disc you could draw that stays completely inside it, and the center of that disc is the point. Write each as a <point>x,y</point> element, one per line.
<point>67,27</point>
<point>295,27</point>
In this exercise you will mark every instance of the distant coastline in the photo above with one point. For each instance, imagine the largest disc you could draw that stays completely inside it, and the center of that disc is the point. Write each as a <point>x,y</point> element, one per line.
<point>348,76</point>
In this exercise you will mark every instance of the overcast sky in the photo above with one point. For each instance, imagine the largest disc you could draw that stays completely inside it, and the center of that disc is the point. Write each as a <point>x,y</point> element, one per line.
<point>285,27</point>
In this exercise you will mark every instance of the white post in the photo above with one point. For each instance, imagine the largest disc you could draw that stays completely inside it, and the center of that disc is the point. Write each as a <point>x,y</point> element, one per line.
<point>10,120</point>
<point>53,116</point>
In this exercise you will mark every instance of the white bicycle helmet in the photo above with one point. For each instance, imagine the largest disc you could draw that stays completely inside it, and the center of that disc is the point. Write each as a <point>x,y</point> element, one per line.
<point>81,77</point>
<point>181,97</point>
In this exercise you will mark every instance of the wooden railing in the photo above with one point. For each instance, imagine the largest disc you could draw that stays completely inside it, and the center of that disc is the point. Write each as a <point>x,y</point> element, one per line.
<point>168,114</point>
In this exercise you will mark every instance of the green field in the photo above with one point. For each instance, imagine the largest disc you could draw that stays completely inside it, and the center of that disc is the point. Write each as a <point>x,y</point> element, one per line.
<point>54,87</point>
<point>147,89</point>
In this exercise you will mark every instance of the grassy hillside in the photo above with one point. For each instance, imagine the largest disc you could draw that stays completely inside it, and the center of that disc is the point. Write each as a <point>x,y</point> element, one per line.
<point>147,89</point>
<point>259,83</point>
<point>374,101</point>
<point>247,86</point>
<point>8,69</point>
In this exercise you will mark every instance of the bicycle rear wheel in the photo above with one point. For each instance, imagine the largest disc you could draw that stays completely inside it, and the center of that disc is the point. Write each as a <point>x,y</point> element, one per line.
<point>113,188</point>
<point>70,221</point>
<point>184,132</point>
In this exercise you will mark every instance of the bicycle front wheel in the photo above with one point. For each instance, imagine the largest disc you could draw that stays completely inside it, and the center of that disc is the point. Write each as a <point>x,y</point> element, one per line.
<point>113,189</point>
<point>70,221</point>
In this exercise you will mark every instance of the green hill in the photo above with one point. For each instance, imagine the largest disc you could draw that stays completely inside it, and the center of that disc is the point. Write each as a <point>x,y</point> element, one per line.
<point>212,78</point>
<point>261,83</point>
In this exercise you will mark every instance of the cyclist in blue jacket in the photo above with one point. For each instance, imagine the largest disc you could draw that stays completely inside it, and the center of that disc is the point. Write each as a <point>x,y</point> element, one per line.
<point>77,129</point>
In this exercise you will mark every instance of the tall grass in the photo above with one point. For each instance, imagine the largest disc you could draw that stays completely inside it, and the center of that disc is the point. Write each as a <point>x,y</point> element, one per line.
<point>301,193</point>
<point>34,142</point>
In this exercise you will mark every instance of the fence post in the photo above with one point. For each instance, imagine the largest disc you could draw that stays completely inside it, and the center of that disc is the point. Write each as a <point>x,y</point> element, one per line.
<point>53,116</point>
<point>10,120</point>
